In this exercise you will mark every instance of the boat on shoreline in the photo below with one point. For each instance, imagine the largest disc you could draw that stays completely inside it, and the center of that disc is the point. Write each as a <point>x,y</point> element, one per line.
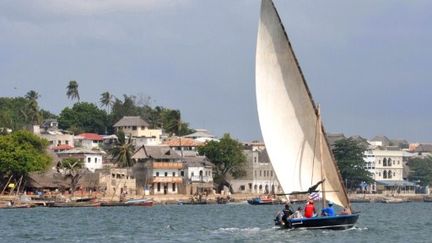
<point>264,201</point>
<point>292,128</point>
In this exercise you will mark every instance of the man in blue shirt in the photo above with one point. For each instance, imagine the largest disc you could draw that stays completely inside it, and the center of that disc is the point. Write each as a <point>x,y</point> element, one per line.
<point>328,211</point>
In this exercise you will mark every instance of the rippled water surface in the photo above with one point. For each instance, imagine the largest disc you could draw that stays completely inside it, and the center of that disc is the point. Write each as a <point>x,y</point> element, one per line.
<point>408,222</point>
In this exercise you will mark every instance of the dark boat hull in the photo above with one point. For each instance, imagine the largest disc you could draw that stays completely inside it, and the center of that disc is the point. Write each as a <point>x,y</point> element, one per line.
<point>338,222</point>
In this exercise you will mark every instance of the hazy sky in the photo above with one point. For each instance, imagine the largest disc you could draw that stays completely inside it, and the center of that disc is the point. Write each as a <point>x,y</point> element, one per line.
<point>367,62</point>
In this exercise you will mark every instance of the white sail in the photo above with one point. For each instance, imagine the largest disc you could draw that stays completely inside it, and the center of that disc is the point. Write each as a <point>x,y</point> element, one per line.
<point>288,116</point>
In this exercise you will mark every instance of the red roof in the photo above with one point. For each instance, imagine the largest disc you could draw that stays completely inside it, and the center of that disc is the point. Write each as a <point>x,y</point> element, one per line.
<point>62,147</point>
<point>91,136</point>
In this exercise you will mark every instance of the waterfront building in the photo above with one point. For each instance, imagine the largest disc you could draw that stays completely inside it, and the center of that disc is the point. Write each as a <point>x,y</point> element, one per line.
<point>117,181</point>
<point>198,175</point>
<point>387,169</point>
<point>158,170</point>
<point>260,177</point>
<point>92,158</point>
<point>139,129</point>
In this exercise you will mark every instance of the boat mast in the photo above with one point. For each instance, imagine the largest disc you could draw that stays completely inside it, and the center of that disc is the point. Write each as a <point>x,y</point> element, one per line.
<point>320,134</point>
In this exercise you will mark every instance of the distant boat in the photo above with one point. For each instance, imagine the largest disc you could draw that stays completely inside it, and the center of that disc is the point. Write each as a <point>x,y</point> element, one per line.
<point>263,201</point>
<point>395,200</point>
<point>291,125</point>
<point>139,202</point>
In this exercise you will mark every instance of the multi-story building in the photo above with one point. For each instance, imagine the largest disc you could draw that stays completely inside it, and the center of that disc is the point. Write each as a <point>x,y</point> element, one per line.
<point>184,146</point>
<point>260,177</point>
<point>158,170</point>
<point>88,140</point>
<point>117,182</point>
<point>198,175</point>
<point>387,169</point>
<point>92,158</point>
<point>139,129</point>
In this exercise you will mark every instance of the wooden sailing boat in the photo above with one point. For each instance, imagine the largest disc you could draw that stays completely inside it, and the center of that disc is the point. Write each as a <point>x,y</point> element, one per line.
<point>291,125</point>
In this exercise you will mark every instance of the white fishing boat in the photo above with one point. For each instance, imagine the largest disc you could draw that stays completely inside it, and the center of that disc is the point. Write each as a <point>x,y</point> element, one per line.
<point>291,125</point>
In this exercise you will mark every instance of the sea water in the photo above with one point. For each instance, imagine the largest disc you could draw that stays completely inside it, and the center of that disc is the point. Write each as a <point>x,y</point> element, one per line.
<point>406,222</point>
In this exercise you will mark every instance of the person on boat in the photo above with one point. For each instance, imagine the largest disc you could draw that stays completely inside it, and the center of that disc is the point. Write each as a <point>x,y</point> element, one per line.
<point>309,209</point>
<point>345,211</point>
<point>298,213</point>
<point>287,212</point>
<point>328,211</point>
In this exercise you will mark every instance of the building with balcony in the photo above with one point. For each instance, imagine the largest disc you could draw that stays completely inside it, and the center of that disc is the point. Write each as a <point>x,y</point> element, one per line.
<point>387,169</point>
<point>198,175</point>
<point>158,170</point>
<point>260,177</point>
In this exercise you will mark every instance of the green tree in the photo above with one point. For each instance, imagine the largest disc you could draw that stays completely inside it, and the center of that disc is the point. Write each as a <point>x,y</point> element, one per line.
<point>13,112</point>
<point>421,170</point>
<point>349,156</point>
<point>228,157</point>
<point>32,109</point>
<point>84,117</point>
<point>72,169</point>
<point>72,90</point>
<point>106,100</point>
<point>22,152</point>
<point>122,152</point>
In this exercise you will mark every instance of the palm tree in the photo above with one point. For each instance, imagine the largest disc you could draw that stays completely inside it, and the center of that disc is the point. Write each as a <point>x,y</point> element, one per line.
<point>106,100</point>
<point>122,151</point>
<point>72,90</point>
<point>71,168</point>
<point>32,110</point>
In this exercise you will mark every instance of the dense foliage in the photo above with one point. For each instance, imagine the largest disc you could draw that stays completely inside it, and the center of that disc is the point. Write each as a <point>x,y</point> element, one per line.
<point>349,156</point>
<point>421,170</point>
<point>159,117</point>
<point>228,157</point>
<point>22,152</point>
<point>84,117</point>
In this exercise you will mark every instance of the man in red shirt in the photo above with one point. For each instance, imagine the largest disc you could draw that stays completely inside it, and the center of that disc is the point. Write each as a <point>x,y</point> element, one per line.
<point>309,209</point>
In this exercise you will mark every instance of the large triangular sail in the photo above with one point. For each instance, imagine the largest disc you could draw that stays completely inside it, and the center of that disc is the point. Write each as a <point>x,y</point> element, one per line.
<point>288,116</point>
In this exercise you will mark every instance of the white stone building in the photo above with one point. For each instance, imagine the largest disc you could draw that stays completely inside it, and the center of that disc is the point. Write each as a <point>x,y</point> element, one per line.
<point>93,159</point>
<point>387,168</point>
<point>139,129</point>
<point>260,177</point>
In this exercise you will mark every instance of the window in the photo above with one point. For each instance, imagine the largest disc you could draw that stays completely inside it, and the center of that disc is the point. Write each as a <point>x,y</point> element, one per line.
<point>242,188</point>
<point>67,142</point>
<point>88,160</point>
<point>260,173</point>
<point>389,174</point>
<point>157,173</point>
<point>134,128</point>
<point>158,187</point>
<point>182,173</point>
<point>142,127</point>
<point>173,173</point>
<point>385,174</point>
<point>192,174</point>
<point>95,160</point>
<point>255,159</point>
<point>384,162</point>
<point>166,174</point>
<point>173,187</point>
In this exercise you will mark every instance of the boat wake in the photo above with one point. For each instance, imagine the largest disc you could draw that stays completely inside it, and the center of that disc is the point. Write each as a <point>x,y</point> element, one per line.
<point>234,230</point>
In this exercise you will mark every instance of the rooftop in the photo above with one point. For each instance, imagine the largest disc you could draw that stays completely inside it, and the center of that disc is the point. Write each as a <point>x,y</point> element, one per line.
<point>91,136</point>
<point>128,121</point>
<point>182,142</point>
